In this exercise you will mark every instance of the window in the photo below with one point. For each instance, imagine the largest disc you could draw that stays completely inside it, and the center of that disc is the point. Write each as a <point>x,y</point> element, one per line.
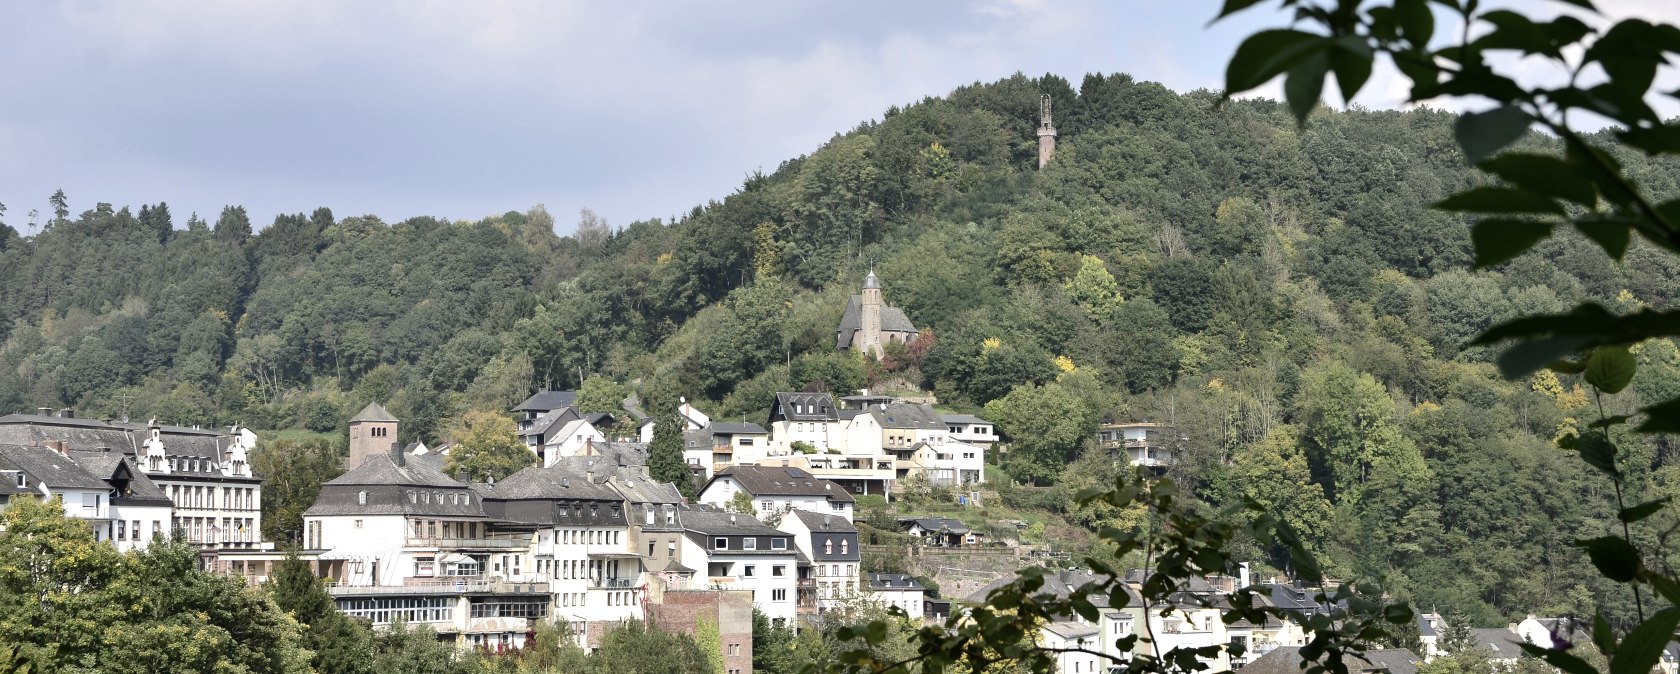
<point>828,546</point>
<point>720,543</point>
<point>122,531</point>
<point>748,571</point>
<point>413,497</point>
<point>749,544</point>
<point>845,545</point>
<point>778,544</point>
<point>361,498</point>
<point>836,505</point>
<point>778,570</point>
<point>765,505</point>
<point>358,524</point>
<point>778,595</point>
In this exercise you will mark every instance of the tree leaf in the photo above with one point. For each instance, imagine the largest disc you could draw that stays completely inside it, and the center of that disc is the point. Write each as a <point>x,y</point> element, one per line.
<point>1543,174</point>
<point>1498,239</point>
<point>1643,646</point>
<point>1611,235</point>
<point>1234,6</point>
<point>1481,134</point>
<point>1500,200</point>
<point>1596,449</point>
<point>1602,637</point>
<point>1350,59</point>
<point>1265,55</point>
<point>1562,660</point>
<point>1663,417</point>
<point>1642,511</point>
<point>1305,83</point>
<point>1610,368</point>
<point>1615,558</point>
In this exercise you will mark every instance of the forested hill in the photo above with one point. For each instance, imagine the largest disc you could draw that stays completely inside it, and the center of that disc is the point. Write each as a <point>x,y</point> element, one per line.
<point>1283,295</point>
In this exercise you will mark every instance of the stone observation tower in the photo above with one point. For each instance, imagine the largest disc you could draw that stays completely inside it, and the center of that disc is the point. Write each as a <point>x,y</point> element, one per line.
<point>869,333</point>
<point>372,431</point>
<point>1046,132</point>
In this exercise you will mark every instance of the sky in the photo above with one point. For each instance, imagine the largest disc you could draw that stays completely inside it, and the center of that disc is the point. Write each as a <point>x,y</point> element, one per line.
<point>461,110</point>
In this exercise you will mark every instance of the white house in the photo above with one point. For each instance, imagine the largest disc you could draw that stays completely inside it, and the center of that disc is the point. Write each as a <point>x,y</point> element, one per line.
<point>103,488</point>
<point>725,443</point>
<point>1143,444</point>
<point>737,552</point>
<point>970,429</point>
<point>570,440</point>
<point>1071,634</point>
<point>897,589</point>
<point>775,489</point>
<point>810,418</point>
<point>830,542</point>
<point>693,420</point>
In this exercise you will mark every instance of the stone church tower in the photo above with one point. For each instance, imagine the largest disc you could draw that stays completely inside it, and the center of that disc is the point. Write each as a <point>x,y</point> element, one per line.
<point>1046,132</point>
<point>373,431</point>
<point>869,319</point>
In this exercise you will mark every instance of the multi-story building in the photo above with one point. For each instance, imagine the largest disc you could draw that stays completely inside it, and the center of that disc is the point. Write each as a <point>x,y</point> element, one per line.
<point>399,539</point>
<point>539,405</point>
<point>1143,444</point>
<point>970,429</point>
<point>204,473</point>
<point>830,542</point>
<point>897,589</point>
<point>775,490</point>
<point>724,443</point>
<point>737,552</point>
<point>808,418</point>
<point>103,488</point>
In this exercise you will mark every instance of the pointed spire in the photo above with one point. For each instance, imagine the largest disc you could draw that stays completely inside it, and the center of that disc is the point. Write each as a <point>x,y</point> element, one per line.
<point>871,282</point>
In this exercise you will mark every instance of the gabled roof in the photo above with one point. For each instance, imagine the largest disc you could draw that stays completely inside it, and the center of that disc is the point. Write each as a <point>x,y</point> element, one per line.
<point>547,423</point>
<point>713,521</point>
<point>554,482</point>
<point>902,415</point>
<point>899,582</point>
<point>942,524</point>
<point>111,466</point>
<point>803,407</point>
<point>733,428</point>
<point>543,401</point>
<point>373,412</point>
<point>1287,660</point>
<point>825,523</point>
<point>1057,583</point>
<point>381,470</point>
<point>1498,643</point>
<point>892,320</point>
<point>780,481</point>
<point>50,468</point>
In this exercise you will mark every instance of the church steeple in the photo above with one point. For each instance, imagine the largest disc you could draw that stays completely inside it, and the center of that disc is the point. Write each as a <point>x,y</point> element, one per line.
<point>1046,132</point>
<point>869,323</point>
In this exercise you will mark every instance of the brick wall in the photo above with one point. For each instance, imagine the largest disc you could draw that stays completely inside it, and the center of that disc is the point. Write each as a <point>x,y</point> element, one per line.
<point>730,609</point>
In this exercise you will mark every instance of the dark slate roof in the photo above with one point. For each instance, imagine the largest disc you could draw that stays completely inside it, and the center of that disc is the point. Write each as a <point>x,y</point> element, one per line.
<point>894,581</point>
<point>381,470</point>
<point>30,429</point>
<point>555,482</point>
<point>373,412</point>
<point>732,428</point>
<point>103,465</point>
<point>636,487</point>
<point>901,415</point>
<point>1498,642</point>
<point>544,401</point>
<point>962,419</point>
<point>713,521</point>
<point>48,466</point>
<point>604,456</point>
<point>1057,583</point>
<point>551,421</point>
<point>1425,629</point>
<point>1287,660</point>
<point>599,419</point>
<point>781,481</point>
<point>945,524</point>
<point>820,522</point>
<point>892,320</point>
<point>1072,629</point>
<point>785,406</point>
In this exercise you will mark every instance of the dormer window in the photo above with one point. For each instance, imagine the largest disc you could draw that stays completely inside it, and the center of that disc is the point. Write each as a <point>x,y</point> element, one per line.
<point>749,543</point>
<point>828,546</point>
<point>361,498</point>
<point>720,543</point>
<point>845,544</point>
<point>413,496</point>
<point>778,544</point>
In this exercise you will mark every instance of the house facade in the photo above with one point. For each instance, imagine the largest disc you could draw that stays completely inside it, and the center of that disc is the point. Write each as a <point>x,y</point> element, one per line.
<point>737,552</point>
<point>774,490</point>
<point>830,543</point>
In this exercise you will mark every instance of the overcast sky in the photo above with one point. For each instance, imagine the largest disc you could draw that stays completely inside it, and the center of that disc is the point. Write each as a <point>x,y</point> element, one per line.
<point>465,109</point>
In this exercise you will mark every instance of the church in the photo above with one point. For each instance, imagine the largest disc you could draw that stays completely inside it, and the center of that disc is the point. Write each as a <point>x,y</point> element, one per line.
<point>869,323</point>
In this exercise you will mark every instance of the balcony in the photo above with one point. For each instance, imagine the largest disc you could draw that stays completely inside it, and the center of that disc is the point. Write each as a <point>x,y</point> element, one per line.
<point>807,582</point>
<point>612,584</point>
<point>460,585</point>
<point>461,543</point>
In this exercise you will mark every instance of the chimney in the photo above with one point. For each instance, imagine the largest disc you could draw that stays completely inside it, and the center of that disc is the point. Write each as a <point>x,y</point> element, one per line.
<point>63,448</point>
<point>67,413</point>
<point>397,456</point>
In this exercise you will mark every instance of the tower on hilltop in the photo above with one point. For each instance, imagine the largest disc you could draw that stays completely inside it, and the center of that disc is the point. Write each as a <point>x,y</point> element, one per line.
<point>1046,132</point>
<point>869,323</point>
<point>869,332</point>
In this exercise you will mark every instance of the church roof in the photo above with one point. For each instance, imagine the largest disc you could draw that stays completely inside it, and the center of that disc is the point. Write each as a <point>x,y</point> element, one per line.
<point>373,412</point>
<point>892,320</point>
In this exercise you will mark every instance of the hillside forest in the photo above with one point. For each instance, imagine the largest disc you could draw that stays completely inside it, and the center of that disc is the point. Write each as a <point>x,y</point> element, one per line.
<point>1282,295</point>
